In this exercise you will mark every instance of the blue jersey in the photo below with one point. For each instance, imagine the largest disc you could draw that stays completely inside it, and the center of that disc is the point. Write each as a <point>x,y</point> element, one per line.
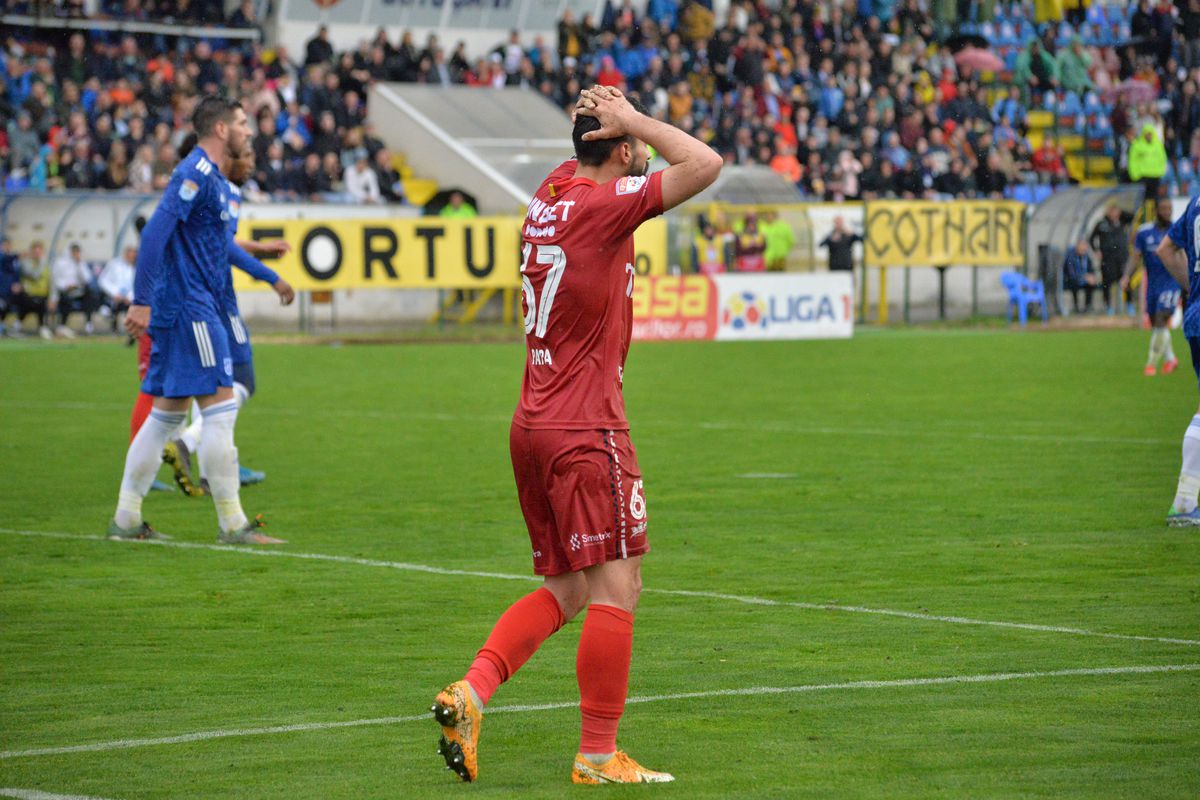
<point>1158,280</point>
<point>1185,234</point>
<point>195,264</point>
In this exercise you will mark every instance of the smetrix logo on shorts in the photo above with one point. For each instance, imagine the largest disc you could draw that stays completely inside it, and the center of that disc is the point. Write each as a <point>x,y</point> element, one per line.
<point>582,540</point>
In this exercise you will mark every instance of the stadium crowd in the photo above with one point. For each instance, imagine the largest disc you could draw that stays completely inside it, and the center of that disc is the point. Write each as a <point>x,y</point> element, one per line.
<point>848,100</point>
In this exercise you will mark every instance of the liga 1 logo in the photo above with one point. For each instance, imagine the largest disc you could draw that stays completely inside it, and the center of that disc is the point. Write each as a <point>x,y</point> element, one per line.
<point>745,311</point>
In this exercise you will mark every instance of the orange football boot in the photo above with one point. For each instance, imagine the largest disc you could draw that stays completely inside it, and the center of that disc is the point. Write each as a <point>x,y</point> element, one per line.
<point>460,719</point>
<point>618,769</point>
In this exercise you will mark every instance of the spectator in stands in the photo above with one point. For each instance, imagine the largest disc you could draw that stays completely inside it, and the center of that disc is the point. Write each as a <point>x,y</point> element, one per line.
<point>1185,114</point>
<point>116,172</point>
<point>786,164</point>
<point>1073,64</point>
<point>116,283</point>
<point>1009,106</point>
<point>23,142</point>
<point>1189,27</point>
<point>1048,162</point>
<point>71,289</point>
<point>391,188</point>
<point>457,207</point>
<point>244,16</point>
<point>362,183</point>
<point>1079,274</point>
<point>319,50</point>
<point>1035,71</point>
<point>1148,160</point>
<point>35,288</point>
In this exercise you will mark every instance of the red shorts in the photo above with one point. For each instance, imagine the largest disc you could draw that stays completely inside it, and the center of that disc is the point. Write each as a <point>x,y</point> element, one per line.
<point>582,497</point>
<point>144,344</point>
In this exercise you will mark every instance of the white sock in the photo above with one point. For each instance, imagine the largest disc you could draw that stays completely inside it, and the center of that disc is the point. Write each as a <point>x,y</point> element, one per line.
<point>141,464</point>
<point>1168,351</point>
<point>1189,476</point>
<point>218,461</point>
<point>240,395</point>
<point>191,434</point>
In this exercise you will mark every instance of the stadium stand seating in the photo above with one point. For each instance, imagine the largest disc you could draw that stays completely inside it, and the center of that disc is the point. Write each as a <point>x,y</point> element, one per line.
<point>826,85</point>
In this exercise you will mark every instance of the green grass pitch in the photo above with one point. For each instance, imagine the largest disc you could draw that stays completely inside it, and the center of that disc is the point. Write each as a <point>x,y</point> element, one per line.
<point>990,475</point>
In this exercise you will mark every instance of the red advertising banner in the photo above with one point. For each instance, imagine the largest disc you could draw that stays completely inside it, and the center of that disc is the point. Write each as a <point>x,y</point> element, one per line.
<point>674,307</point>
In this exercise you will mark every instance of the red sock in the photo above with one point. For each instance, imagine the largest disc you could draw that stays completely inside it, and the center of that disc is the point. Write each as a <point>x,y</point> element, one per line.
<point>141,410</point>
<point>602,667</point>
<point>518,634</point>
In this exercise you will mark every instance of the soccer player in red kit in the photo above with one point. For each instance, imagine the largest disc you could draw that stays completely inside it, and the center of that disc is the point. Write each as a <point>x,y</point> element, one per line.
<point>576,471</point>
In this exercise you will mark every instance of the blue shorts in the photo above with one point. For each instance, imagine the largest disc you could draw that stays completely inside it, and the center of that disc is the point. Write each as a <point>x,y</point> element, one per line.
<point>189,359</point>
<point>238,338</point>
<point>1159,299</point>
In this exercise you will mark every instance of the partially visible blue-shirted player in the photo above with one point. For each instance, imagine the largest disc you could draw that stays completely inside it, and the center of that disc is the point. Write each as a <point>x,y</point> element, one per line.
<point>180,294</point>
<point>1162,292</point>
<point>1180,254</point>
<point>178,451</point>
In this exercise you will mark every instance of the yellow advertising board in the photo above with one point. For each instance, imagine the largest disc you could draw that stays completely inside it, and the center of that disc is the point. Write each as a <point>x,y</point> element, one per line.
<point>930,233</point>
<point>421,253</point>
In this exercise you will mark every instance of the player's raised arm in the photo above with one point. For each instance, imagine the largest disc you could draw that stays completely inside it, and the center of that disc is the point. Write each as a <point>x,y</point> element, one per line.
<point>694,165</point>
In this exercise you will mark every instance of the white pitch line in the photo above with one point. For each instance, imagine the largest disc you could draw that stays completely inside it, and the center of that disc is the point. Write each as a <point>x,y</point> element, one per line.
<point>765,426</point>
<point>994,677</point>
<point>922,433</point>
<point>34,794</point>
<point>767,475</point>
<point>734,598</point>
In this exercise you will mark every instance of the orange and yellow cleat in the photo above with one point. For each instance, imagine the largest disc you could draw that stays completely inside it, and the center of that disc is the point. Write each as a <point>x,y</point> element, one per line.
<point>460,719</point>
<point>1149,370</point>
<point>618,769</point>
<point>1170,366</point>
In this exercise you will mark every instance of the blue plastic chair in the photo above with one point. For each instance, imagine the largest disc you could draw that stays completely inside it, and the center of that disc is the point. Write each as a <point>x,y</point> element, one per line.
<point>1022,293</point>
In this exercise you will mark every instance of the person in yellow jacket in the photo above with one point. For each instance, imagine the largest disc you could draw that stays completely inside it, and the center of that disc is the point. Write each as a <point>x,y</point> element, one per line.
<point>780,239</point>
<point>458,208</point>
<point>1148,160</point>
<point>709,250</point>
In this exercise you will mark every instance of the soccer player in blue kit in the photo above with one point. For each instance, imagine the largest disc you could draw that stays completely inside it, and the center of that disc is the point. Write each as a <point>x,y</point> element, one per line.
<point>1180,254</point>
<point>180,295</point>
<point>178,451</point>
<point>1162,292</point>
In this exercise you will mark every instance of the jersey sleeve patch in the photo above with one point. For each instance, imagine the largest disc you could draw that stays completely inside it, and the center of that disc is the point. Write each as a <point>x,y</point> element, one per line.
<point>630,184</point>
<point>188,190</point>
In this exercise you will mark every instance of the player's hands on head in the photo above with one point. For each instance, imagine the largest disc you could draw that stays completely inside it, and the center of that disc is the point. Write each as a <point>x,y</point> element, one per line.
<point>137,319</point>
<point>587,99</point>
<point>285,291</point>
<point>607,104</point>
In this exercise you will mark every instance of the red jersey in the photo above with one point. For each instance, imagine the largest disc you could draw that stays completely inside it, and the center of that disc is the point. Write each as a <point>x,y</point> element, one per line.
<point>577,287</point>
